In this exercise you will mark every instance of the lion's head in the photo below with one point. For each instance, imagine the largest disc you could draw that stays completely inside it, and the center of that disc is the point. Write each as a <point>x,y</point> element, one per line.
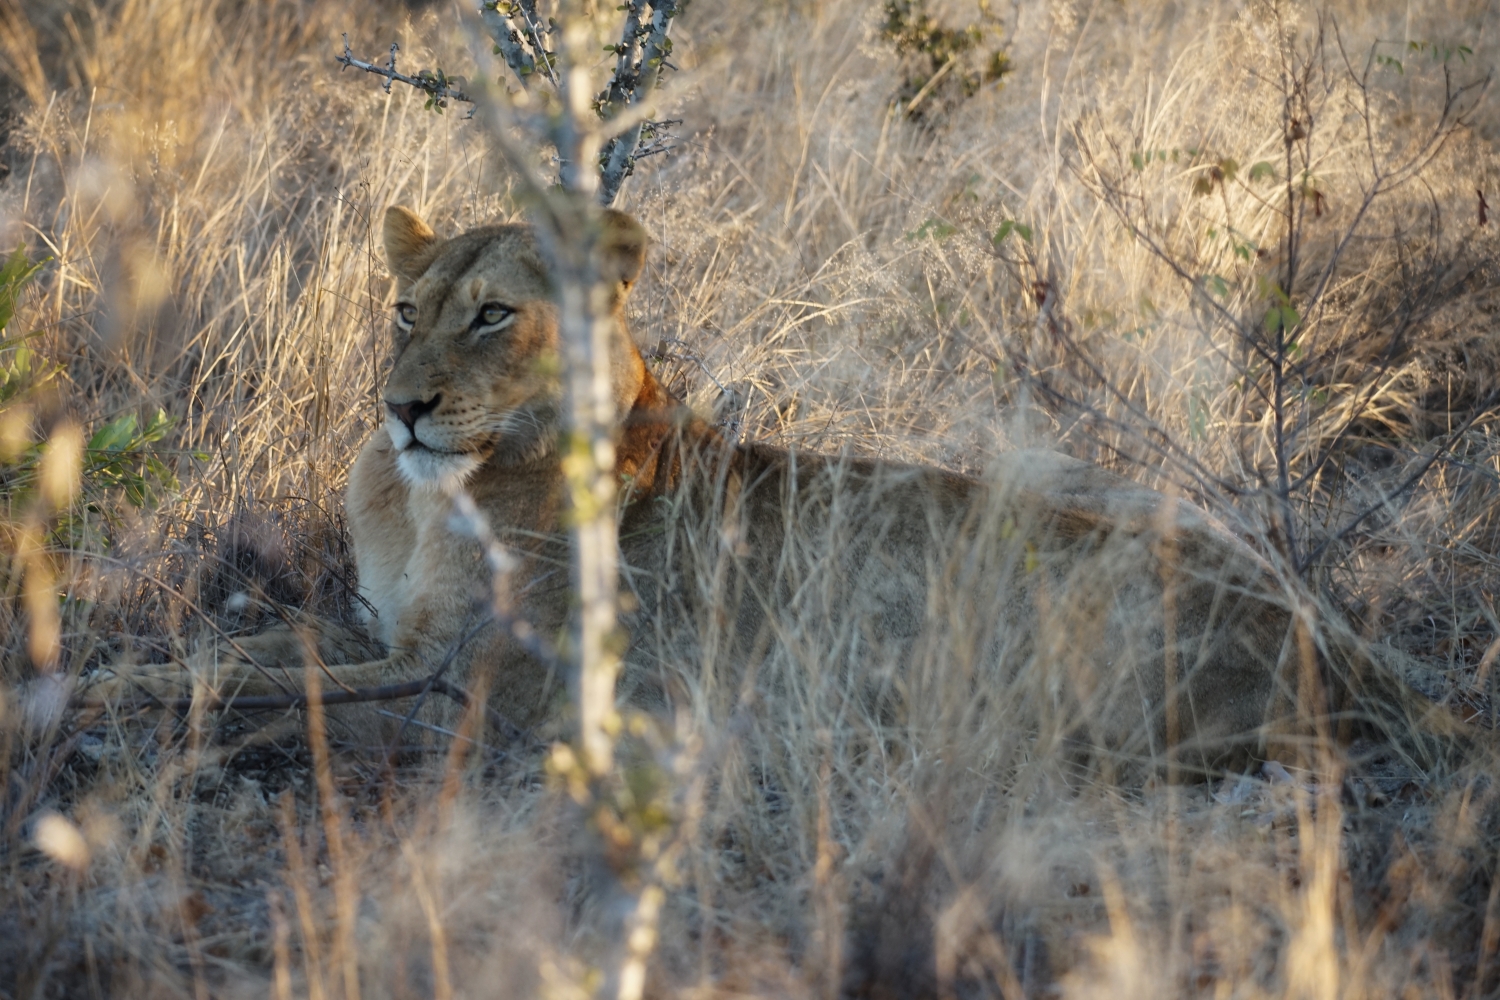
<point>476,377</point>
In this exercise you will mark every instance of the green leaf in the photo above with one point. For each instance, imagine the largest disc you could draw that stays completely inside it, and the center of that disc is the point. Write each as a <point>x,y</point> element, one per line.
<point>115,435</point>
<point>935,228</point>
<point>155,430</point>
<point>1262,171</point>
<point>1009,226</point>
<point>1281,318</point>
<point>14,274</point>
<point>162,474</point>
<point>17,267</point>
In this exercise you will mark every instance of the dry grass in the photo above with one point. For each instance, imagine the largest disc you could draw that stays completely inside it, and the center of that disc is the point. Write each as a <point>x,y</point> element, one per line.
<point>206,183</point>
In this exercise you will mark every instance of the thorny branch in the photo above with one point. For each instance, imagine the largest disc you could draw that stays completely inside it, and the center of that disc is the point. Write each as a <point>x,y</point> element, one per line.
<point>509,44</point>
<point>640,57</point>
<point>521,38</point>
<point>439,87</point>
<point>641,54</point>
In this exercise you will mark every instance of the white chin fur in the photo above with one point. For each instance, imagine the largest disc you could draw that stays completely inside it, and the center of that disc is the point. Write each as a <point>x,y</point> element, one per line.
<point>399,435</point>
<point>444,470</point>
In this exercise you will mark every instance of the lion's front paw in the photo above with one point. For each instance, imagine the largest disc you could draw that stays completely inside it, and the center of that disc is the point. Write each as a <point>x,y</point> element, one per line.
<point>250,666</point>
<point>128,682</point>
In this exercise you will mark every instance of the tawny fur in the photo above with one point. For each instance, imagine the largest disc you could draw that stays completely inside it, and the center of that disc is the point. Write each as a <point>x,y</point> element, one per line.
<point>1079,592</point>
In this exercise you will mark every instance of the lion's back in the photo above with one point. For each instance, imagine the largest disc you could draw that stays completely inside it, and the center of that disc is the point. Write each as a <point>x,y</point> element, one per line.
<point>1048,578</point>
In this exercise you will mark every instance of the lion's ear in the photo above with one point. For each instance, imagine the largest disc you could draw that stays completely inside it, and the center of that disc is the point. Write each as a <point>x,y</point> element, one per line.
<point>410,243</point>
<point>622,245</point>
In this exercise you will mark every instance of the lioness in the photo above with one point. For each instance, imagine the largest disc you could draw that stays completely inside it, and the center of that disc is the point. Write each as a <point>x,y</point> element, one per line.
<point>1129,619</point>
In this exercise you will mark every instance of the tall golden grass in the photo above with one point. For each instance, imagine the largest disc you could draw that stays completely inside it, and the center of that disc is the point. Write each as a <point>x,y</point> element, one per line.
<point>824,276</point>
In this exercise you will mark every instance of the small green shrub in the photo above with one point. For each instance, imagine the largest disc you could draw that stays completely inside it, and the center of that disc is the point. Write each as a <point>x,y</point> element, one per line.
<point>946,64</point>
<point>119,456</point>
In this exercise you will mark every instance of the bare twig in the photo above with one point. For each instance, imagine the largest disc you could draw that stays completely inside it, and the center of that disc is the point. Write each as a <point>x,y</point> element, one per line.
<point>1441,450</point>
<point>927,87</point>
<point>1279,373</point>
<point>438,86</point>
<point>433,680</point>
<point>1159,439</point>
<point>662,354</point>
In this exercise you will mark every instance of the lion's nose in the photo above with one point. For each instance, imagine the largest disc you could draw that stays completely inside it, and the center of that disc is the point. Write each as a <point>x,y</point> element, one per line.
<point>409,413</point>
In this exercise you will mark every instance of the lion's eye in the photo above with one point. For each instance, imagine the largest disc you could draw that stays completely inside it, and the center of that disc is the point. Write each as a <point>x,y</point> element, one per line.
<point>493,314</point>
<point>406,313</point>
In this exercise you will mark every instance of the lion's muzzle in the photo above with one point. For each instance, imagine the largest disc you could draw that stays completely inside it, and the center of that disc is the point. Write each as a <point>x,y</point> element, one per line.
<point>421,462</point>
